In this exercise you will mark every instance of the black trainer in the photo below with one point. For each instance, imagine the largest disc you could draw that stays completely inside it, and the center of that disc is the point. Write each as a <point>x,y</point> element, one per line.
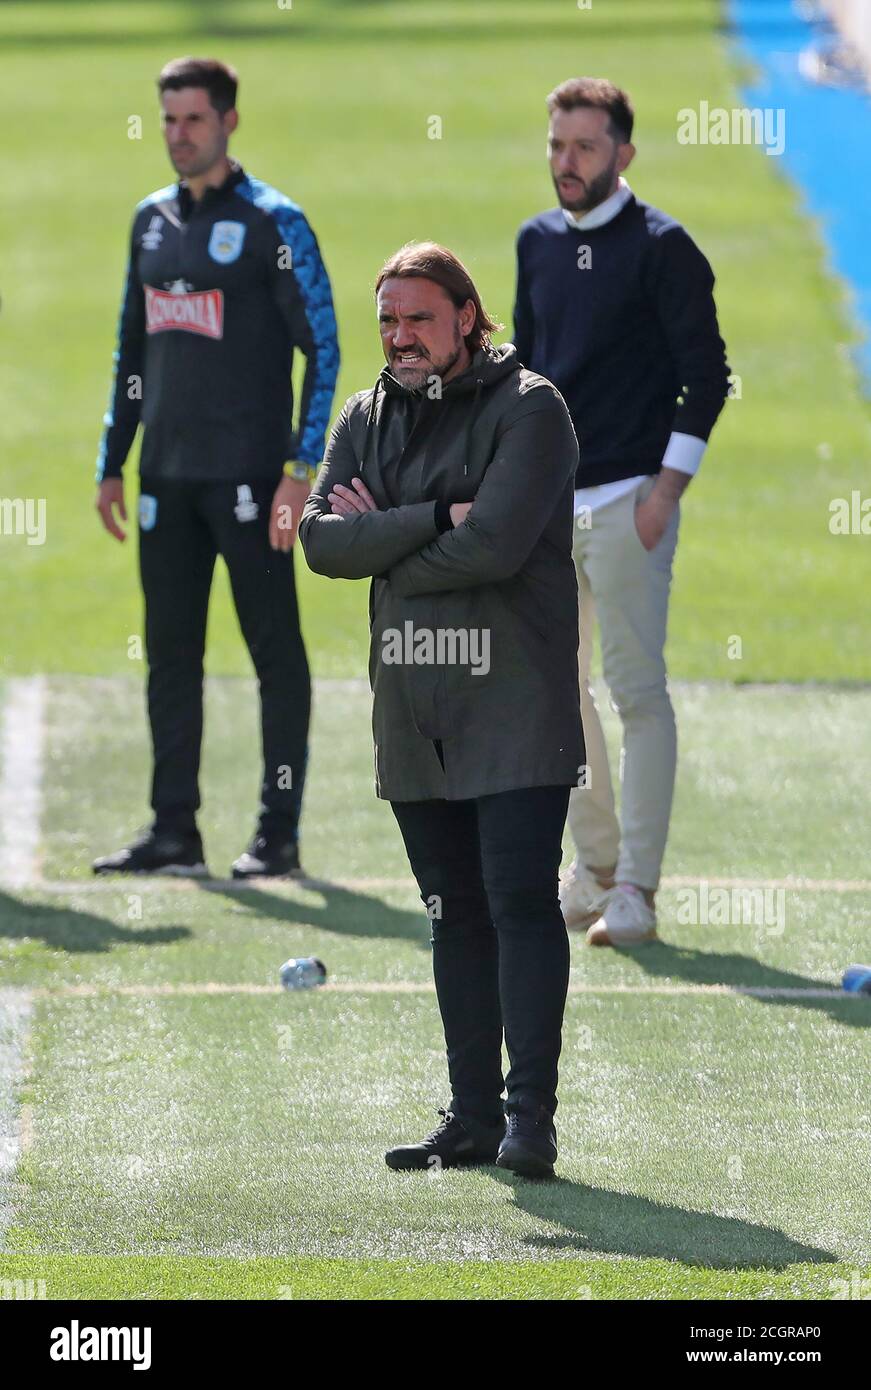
<point>529,1146</point>
<point>157,852</point>
<point>269,856</point>
<point>455,1142</point>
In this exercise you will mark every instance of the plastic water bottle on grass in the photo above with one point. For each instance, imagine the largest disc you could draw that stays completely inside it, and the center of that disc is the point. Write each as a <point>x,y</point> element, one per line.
<point>857,979</point>
<point>304,973</point>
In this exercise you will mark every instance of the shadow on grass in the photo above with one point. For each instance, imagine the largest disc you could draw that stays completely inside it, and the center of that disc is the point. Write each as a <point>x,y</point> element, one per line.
<point>663,961</point>
<point>343,912</point>
<point>597,1220</point>
<point>346,913</point>
<point>67,929</point>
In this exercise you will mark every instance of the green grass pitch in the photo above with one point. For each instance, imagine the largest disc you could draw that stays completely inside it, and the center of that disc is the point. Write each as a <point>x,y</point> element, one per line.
<point>182,1127</point>
<point>335,99</point>
<point>190,1130</point>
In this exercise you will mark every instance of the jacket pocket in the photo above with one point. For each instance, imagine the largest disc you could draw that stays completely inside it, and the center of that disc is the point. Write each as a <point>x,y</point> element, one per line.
<point>525,602</point>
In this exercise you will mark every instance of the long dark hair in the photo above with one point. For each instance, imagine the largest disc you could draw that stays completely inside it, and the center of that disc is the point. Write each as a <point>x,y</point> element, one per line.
<point>427,260</point>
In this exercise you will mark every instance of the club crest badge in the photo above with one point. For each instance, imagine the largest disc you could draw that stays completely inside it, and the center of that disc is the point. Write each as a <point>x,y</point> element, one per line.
<point>246,508</point>
<point>226,241</point>
<point>147,512</point>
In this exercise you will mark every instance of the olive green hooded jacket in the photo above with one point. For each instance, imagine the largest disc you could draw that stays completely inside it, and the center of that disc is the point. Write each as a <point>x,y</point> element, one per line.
<point>474,629</point>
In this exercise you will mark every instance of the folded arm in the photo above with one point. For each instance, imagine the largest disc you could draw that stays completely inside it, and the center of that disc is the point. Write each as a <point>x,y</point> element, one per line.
<point>535,458</point>
<point>368,543</point>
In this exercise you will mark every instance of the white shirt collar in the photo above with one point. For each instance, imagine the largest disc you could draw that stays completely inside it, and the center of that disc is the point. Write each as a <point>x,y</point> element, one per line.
<point>603,212</point>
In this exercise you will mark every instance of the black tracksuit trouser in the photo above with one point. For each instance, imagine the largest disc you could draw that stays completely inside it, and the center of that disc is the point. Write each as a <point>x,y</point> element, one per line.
<point>184,526</point>
<point>488,872</point>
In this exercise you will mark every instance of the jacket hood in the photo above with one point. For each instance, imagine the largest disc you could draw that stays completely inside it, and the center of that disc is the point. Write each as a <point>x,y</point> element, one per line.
<point>488,366</point>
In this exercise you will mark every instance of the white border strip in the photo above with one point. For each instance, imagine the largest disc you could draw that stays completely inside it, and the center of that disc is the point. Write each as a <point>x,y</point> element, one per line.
<point>15,1129</point>
<point>21,749</point>
<point>214,987</point>
<point>151,883</point>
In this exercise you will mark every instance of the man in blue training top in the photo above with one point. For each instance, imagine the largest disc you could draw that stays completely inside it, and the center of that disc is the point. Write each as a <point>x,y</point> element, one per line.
<point>615,306</point>
<point>225,281</point>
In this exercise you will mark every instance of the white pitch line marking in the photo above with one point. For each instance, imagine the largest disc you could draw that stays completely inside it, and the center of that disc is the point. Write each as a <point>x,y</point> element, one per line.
<point>25,1129</point>
<point>215,987</point>
<point>156,883</point>
<point>15,1129</point>
<point>21,742</point>
<point>793,883</point>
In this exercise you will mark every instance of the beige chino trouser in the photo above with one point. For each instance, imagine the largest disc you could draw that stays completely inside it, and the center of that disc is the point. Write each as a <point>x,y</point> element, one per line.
<point>626,587</point>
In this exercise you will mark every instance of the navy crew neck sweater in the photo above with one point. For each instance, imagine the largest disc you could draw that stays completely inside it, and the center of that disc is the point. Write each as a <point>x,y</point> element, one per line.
<point>621,318</point>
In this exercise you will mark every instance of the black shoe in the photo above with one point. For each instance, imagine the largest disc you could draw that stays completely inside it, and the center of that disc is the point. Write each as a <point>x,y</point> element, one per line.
<point>157,852</point>
<point>455,1142</point>
<point>529,1146</point>
<point>269,857</point>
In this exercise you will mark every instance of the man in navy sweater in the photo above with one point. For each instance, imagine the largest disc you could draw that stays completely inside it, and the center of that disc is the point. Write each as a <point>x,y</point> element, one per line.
<point>615,306</point>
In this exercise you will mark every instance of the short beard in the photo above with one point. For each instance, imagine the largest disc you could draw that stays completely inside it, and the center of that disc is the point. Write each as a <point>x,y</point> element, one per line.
<point>416,381</point>
<point>203,164</point>
<point>598,190</point>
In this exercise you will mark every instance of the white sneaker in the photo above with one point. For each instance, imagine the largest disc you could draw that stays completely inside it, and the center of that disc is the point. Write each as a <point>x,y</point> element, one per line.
<point>581,896</point>
<point>626,919</point>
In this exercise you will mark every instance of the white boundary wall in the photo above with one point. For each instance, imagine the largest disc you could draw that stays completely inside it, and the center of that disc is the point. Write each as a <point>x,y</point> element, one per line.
<point>853,18</point>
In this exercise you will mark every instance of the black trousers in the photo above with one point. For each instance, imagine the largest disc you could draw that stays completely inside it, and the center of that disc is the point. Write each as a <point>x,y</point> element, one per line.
<point>488,872</point>
<point>183,527</point>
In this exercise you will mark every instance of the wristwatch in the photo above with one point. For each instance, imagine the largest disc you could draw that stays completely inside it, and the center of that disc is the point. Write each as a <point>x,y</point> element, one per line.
<point>300,472</point>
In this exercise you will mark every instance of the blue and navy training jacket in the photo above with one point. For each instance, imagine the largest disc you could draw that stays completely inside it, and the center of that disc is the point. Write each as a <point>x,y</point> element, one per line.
<point>220,293</point>
<point>621,318</point>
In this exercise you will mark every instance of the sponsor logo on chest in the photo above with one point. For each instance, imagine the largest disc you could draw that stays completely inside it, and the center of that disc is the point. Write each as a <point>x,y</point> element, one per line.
<point>185,311</point>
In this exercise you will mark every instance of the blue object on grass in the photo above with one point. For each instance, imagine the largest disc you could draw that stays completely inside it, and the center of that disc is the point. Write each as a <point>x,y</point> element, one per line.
<point>857,979</point>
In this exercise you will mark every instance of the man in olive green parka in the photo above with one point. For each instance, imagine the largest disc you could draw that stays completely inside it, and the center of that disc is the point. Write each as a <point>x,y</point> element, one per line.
<point>450,485</point>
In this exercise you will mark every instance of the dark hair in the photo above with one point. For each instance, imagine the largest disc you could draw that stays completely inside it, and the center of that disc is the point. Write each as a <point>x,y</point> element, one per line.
<point>426,260</point>
<point>219,80</point>
<point>601,94</point>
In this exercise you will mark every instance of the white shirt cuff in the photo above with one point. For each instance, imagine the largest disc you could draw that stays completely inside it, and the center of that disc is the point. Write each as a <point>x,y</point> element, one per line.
<point>684,453</point>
